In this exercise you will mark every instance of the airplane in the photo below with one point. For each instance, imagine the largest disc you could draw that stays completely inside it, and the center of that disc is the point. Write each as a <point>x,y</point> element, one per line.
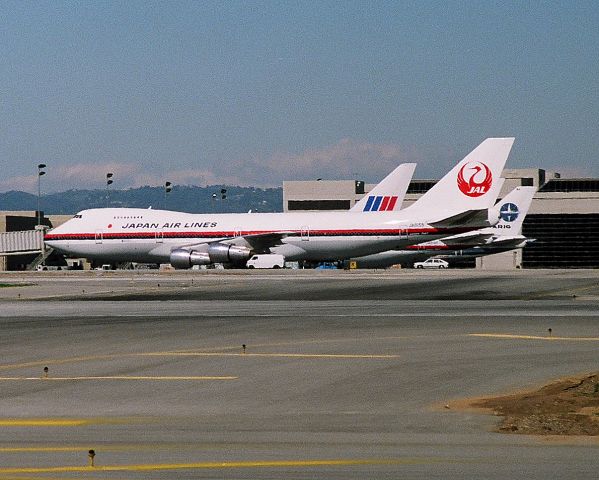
<point>461,201</point>
<point>504,236</point>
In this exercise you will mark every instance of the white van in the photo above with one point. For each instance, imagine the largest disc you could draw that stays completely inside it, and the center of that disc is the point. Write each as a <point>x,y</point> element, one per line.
<point>266,261</point>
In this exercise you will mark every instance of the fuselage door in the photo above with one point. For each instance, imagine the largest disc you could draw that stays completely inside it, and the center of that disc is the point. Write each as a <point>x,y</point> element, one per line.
<point>305,233</point>
<point>159,236</point>
<point>99,236</point>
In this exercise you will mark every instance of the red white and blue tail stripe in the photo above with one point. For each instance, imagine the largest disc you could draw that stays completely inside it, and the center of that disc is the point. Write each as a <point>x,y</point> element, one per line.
<point>380,203</point>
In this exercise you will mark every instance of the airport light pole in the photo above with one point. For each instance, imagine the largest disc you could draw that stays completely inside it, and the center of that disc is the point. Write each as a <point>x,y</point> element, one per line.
<point>109,182</point>
<point>223,196</point>
<point>40,173</point>
<point>168,187</point>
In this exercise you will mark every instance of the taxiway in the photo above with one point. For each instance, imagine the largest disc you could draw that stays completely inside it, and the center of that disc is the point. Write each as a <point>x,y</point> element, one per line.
<point>343,375</point>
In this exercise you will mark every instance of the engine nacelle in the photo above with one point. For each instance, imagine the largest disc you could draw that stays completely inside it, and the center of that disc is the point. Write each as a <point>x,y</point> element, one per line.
<point>224,253</point>
<point>181,258</point>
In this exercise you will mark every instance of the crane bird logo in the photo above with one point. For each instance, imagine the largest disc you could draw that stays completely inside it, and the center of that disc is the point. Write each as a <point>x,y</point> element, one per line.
<point>478,182</point>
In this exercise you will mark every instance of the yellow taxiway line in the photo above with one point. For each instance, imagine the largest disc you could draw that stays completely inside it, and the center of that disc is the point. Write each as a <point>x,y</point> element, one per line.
<point>270,355</point>
<point>42,449</point>
<point>190,353</point>
<point>533,337</point>
<point>64,422</point>
<point>219,465</point>
<point>116,377</point>
<point>42,422</point>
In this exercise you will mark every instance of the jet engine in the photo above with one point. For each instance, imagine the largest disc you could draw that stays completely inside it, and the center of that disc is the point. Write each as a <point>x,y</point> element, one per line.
<point>181,258</point>
<point>224,253</point>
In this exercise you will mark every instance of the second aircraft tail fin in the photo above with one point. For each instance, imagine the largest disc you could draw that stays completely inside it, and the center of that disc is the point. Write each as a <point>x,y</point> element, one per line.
<point>513,209</point>
<point>389,194</point>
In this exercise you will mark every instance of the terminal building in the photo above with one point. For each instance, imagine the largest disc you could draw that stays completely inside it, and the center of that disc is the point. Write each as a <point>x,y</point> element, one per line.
<point>563,218</point>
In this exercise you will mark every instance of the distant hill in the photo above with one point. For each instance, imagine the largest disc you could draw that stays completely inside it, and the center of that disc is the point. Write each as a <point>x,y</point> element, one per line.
<point>181,198</point>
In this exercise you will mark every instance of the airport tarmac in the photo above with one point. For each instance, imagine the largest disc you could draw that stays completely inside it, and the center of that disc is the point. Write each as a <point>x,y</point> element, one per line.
<point>341,377</point>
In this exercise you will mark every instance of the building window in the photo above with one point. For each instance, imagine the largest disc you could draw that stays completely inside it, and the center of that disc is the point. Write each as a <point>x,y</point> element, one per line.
<point>318,205</point>
<point>571,185</point>
<point>527,182</point>
<point>421,186</point>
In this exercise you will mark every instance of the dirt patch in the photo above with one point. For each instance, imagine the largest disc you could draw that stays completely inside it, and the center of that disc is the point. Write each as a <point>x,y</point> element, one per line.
<point>566,407</point>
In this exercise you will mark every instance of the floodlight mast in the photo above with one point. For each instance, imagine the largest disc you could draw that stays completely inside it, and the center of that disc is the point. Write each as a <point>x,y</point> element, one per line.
<point>40,173</point>
<point>109,182</point>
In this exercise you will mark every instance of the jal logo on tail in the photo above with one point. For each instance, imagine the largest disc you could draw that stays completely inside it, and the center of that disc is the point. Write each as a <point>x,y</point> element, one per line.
<point>479,178</point>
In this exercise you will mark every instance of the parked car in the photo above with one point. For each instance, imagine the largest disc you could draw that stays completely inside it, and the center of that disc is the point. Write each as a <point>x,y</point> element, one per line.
<point>432,263</point>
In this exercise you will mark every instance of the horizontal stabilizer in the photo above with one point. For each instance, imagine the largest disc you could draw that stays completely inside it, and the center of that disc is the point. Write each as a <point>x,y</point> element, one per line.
<point>468,218</point>
<point>470,238</point>
<point>516,241</point>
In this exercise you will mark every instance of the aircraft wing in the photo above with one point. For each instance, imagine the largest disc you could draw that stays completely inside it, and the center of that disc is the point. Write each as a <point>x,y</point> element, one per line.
<point>463,219</point>
<point>259,242</point>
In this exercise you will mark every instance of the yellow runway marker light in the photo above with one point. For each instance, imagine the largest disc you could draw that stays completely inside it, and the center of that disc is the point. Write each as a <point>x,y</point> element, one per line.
<point>91,455</point>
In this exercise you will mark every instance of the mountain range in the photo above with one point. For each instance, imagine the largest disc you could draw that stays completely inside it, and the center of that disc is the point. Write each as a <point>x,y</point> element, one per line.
<point>192,199</point>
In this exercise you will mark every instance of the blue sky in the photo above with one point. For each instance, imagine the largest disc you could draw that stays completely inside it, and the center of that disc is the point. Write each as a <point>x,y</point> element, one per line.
<point>254,93</point>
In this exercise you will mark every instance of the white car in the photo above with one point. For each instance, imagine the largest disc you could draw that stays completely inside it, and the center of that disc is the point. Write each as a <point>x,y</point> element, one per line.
<point>432,263</point>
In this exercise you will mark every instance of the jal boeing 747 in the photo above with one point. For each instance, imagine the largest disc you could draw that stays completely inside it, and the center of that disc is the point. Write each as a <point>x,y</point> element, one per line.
<point>461,201</point>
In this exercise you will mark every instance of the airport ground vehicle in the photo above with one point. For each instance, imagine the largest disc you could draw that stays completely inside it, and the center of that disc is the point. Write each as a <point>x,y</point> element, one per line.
<point>44,268</point>
<point>432,263</point>
<point>327,266</point>
<point>266,261</point>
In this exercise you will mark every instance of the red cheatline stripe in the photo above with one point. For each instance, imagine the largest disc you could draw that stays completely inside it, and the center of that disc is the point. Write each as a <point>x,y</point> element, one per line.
<point>149,235</point>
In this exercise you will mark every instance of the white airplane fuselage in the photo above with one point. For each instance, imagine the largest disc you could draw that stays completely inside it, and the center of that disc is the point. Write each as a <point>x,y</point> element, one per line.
<point>146,235</point>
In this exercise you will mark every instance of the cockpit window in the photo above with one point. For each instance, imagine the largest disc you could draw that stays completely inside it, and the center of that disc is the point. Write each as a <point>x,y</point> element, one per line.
<point>78,216</point>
